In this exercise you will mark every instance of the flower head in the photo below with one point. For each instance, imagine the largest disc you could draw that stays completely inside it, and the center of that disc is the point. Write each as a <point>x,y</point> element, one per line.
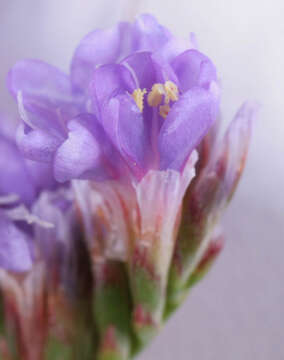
<point>135,100</point>
<point>133,127</point>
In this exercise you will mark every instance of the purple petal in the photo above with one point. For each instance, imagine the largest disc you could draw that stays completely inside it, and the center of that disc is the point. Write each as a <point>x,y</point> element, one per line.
<point>194,69</point>
<point>37,145</point>
<point>109,81</point>
<point>39,79</point>
<point>142,66</point>
<point>86,153</point>
<point>57,208</point>
<point>97,48</point>
<point>126,127</point>
<point>148,34</point>
<point>14,176</point>
<point>188,121</point>
<point>45,92</point>
<point>148,70</point>
<point>15,254</point>
<point>8,125</point>
<point>42,175</point>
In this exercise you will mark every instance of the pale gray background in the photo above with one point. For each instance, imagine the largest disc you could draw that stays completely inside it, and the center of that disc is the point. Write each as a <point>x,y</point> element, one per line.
<point>237,312</point>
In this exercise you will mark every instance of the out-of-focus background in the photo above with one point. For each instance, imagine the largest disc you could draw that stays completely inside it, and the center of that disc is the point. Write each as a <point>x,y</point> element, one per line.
<point>237,312</point>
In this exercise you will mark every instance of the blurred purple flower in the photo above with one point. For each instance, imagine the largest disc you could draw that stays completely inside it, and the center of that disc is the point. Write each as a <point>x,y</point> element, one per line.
<point>21,181</point>
<point>37,233</point>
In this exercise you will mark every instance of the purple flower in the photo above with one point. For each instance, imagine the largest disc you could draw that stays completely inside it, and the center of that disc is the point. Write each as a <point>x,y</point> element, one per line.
<point>137,98</point>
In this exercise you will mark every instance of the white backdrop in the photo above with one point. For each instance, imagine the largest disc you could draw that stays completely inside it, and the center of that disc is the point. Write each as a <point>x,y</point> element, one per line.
<point>237,312</point>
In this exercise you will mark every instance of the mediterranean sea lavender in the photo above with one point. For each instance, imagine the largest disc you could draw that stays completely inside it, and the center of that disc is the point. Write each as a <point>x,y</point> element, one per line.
<point>132,136</point>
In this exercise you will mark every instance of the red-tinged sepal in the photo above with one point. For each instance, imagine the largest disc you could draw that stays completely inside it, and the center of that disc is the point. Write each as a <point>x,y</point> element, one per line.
<point>213,251</point>
<point>207,198</point>
<point>25,309</point>
<point>178,290</point>
<point>232,157</point>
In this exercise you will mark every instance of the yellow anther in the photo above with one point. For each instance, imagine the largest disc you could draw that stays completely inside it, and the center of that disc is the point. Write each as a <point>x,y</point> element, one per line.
<point>164,110</point>
<point>161,95</point>
<point>155,96</point>
<point>138,96</point>
<point>171,91</point>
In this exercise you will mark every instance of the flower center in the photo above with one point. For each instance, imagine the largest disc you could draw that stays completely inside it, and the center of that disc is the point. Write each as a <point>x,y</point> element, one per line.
<point>167,91</point>
<point>160,95</point>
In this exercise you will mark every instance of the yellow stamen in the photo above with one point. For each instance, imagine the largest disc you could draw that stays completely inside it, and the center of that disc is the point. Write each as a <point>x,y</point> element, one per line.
<point>164,110</point>
<point>155,96</point>
<point>138,96</point>
<point>171,91</point>
<point>160,95</point>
